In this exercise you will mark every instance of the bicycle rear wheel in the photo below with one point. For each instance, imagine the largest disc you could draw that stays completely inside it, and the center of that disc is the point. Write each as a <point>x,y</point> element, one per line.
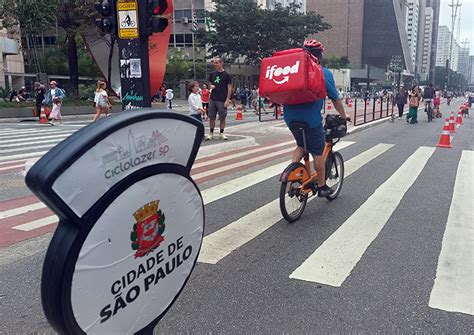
<point>292,201</point>
<point>430,114</point>
<point>335,174</point>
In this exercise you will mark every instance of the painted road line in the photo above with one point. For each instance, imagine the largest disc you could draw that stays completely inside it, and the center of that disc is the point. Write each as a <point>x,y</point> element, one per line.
<point>233,186</point>
<point>334,260</point>
<point>24,133</point>
<point>53,142</point>
<point>453,288</point>
<point>3,164</point>
<point>32,135</point>
<point>27,148</point>
<point>221,243</point>
<point>26,155</point>
<point>21,210</point>
<point>241,154</point>
<point>37,223</point>
<point>36,139</point>
<point>13,167</point>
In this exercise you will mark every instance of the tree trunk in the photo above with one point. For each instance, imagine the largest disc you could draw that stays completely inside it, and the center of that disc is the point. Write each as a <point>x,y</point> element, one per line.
<point>73,64</point>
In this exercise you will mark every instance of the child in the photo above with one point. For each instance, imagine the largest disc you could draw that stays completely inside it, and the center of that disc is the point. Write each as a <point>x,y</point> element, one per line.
<point>205,95</point>
<point>195,102</point>
<point>102,104</point>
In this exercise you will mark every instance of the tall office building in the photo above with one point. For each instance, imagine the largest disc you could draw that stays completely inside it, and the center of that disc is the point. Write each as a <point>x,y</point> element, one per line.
<point>444,48</point>
<point>471,72</point>
<point>463,66</point>
<point>435,5</point>
<point>11,61</point>
<point>412,20</point>
<point>425,44</point>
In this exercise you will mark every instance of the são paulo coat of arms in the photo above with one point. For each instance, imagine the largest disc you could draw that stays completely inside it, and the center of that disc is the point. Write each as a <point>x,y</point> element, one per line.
<point>147,231</point>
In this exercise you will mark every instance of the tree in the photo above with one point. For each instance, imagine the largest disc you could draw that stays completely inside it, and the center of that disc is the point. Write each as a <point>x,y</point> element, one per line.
<point>241,28</point>
<point>333,62</point>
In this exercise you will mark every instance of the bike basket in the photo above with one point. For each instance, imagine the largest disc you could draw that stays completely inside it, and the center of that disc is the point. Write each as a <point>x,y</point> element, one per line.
<point>335,126</point>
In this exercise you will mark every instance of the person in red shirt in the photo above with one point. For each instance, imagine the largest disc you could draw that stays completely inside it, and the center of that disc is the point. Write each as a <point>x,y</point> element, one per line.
<point>205,94</point>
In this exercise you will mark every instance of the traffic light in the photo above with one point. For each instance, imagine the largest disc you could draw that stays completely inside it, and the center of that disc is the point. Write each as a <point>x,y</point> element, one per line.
<point>107,11</point>
<point>157,23</point>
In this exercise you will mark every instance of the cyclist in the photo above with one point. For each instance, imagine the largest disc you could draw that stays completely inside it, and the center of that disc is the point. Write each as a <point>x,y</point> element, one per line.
<point>310,113</point>
<point>428,96</point>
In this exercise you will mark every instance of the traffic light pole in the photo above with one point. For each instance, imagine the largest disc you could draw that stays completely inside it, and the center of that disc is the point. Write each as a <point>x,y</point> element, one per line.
<point>132,37</point>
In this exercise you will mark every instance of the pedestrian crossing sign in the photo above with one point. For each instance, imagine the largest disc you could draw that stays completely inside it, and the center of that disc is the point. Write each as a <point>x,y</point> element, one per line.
<point>127,19</point>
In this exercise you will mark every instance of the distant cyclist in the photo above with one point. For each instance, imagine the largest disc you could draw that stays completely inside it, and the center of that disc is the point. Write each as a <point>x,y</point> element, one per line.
<point>428,96</point>
<point>310,113</point>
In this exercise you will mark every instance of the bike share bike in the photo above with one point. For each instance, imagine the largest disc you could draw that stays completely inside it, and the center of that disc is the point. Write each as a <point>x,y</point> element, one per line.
<point>298,182</point>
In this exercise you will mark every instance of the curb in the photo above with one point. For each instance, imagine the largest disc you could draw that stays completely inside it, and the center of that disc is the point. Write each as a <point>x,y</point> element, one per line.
<point>213,149</point>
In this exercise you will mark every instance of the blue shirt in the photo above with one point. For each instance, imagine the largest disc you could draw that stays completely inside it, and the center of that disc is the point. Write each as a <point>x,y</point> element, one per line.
<point>310,112</point>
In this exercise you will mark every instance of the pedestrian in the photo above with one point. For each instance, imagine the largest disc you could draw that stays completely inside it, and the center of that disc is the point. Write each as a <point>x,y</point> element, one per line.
<point>40,95</point>
<point>101,100</point>
<point>234,98</point>
<point>437,104</point>
<point>205,94</point>
<point>22,94</point>
<point>13,95</point>
<point>255,98</point>
<point>221,90</point>
<point>414,102</point>
<point>243,98</point>
<point>196,109</point>
<point>249,97</point>
<point>400,101</point>
<point>54,97</point>
<point>163,92</point>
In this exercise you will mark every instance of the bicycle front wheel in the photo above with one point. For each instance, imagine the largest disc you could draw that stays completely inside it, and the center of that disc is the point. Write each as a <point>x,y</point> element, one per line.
<point>292,201</point>
<point>335,175</point>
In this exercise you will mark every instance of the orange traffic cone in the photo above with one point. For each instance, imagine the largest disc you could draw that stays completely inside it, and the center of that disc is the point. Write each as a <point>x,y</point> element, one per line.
<point>329,105</point>
<point>459,119</point>
<point>368,102</point>
<point>43,117</point>
<point>350,103</point>
<point>378,101</point>
<point>239,115</point>
<point>445,139</point>
<point>452,129</point>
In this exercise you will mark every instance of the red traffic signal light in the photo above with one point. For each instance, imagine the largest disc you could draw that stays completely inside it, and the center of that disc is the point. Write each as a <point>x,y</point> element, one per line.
<point>158,7</point>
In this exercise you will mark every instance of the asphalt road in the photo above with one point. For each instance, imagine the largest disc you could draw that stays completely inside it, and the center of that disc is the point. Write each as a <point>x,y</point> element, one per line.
<point>250,289</point>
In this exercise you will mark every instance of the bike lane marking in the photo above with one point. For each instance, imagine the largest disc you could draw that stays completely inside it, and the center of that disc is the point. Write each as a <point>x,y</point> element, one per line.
<point>221,243</point>
<point>334,260</point>
<point>453,288</point>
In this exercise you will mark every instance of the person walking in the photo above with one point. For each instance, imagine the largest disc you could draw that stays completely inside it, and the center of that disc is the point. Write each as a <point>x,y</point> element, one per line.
<point>196,109</point>
<point>205,95</point>
<point>221,90</point>
<point>54,97</point>
<point>102,103</point>
<point>243,98</point>
<point>40,95</point>
<point>414,102</point>
<point>400,101</point>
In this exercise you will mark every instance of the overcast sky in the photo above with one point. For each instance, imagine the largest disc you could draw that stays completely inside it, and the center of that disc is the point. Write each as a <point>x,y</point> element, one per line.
<point>467,19</point>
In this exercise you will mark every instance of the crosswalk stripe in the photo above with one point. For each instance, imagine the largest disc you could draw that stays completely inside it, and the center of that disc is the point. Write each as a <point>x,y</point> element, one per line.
<point>35,139</point>
<point>3,164</point>
<point>453,288</point>
<point>235,185</point>
<point>12,167</point>
<point>29,147</point>
<point>28,135</point>
<point>25,155</point>
<point>221,243</point>
<point>29,226</point>
<point>334,260</point>
<point>21,210</point>
<point>241,154</point>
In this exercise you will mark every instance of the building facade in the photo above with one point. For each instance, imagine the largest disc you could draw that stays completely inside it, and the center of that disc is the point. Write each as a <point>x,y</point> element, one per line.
<point>463,62</point>
<point>425,43</point>
<point>435,5</point>
<point>412,21</point>
<point>471,72</point>
<point>12,67</point>
<point>444,48</point>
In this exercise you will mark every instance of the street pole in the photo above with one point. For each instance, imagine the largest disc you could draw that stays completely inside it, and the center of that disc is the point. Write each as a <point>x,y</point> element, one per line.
<point>133,53</point>
<point>194,58</point>
<point>398,81</point>
<point>368,77</point>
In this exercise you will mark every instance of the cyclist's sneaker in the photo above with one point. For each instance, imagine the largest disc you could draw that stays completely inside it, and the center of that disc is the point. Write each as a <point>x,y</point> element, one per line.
<point>223,137</point>
<point>210,136</point>
<point>325,191</point>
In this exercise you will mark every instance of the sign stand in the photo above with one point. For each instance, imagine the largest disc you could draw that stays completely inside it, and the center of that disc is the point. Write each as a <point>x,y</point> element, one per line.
<point>131,222</point>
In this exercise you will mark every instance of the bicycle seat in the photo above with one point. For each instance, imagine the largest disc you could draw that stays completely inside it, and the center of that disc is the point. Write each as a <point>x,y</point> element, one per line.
<point>299,125</point>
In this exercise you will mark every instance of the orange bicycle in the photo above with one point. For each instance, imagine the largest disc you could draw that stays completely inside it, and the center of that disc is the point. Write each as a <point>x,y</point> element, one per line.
<point>298,182</point>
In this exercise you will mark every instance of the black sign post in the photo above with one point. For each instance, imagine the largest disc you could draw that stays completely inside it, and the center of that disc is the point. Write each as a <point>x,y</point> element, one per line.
<point>132,37</point>
<point>131,222</point>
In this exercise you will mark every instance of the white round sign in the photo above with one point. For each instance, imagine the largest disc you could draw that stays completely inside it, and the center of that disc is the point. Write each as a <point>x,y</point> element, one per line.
<point>169,94</point>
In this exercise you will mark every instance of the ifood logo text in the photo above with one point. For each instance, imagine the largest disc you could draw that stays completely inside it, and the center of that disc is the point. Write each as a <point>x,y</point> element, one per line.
<point>274,72</point>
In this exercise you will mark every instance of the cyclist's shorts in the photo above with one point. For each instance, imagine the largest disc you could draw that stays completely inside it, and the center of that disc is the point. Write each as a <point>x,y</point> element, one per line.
<point>315,140</point>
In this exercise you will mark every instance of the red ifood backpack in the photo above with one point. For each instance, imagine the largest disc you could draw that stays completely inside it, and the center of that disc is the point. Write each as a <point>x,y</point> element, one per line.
<point>292,77</point>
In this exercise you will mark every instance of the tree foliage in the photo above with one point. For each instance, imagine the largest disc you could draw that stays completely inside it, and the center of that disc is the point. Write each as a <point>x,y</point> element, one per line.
<point>241,28</point>
<point>333,62</point>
